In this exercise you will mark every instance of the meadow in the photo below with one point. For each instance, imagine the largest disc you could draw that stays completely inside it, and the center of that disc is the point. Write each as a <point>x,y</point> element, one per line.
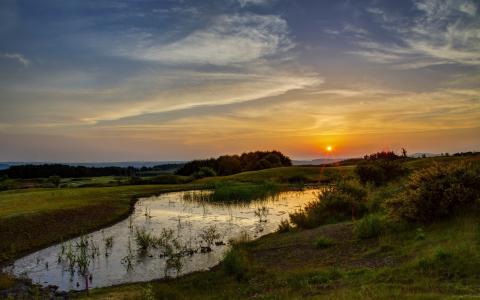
<point>369,257</point>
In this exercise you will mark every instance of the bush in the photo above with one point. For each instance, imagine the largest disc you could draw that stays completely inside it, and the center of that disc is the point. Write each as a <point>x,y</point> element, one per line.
<point>370,226</point>
<point>343,201</point>
<point>437,192</point>
<point>284,226</point>
<point>380,171</point>
<point>323,242</point>
<point>235,263</point>
<point>204,172</point>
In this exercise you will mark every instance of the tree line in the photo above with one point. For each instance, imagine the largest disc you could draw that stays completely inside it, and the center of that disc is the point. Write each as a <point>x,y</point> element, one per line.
<point>30,171</point>
<point>232,164</point>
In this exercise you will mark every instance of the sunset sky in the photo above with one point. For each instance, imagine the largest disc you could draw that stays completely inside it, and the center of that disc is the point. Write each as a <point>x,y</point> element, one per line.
<point>118,80</point>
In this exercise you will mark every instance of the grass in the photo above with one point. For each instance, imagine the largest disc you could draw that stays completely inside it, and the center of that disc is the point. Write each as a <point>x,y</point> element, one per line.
<point>442,264</point>
<point>34,218</point>
<point>312,174</point>
<point>323,242</point>
<point>370,226</point>
<point>289,266</point>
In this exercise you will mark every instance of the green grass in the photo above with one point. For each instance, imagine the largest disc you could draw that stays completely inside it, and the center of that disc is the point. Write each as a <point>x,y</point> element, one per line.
<point>34,218</point>
<point>313,174</point>
<point>289,266</point>
<point>442,264</point>
<point>323,242</point>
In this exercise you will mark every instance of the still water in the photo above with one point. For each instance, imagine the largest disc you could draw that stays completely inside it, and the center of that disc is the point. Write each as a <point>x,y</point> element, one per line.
<point>113,254</point>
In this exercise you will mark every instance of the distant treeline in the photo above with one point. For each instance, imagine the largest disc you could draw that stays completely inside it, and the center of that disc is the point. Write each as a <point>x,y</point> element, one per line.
<point>232,164</point>
<point>62,170</point>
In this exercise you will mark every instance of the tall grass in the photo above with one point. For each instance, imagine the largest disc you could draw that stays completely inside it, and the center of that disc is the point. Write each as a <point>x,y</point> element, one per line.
<point>232,192</point>
<point>235,263</point>
<point>370,226</point>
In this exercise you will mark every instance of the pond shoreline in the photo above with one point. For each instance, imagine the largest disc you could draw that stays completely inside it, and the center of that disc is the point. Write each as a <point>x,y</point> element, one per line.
<point>130,212</point>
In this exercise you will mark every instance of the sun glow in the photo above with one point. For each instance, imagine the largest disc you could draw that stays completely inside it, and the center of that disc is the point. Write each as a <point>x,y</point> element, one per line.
<point>329,148</point>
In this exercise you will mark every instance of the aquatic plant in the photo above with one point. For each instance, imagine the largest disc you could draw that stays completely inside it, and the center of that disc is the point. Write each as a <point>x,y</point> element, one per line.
<point>108,244</point>
<point>209,234</point>
<point>261,213</point>
<point>127,260</point>
<point>144,239</point>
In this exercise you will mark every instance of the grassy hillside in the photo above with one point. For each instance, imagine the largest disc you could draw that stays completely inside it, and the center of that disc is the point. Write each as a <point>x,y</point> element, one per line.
<point>370,258</point>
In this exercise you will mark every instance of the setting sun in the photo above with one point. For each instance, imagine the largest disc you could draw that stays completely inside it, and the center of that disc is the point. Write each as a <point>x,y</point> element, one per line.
<point>329,148</point>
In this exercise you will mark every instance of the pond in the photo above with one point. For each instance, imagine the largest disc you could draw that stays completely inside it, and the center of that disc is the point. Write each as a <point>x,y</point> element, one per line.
<point>167,235</point>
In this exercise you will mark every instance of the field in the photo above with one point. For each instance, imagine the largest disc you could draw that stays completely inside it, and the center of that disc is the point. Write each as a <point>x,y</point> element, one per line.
<point>33,218</point>
<point>435,260</point>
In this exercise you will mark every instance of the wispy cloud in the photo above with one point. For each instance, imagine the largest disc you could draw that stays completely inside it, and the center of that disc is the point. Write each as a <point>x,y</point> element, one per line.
<point>244,3</point>
<point>226,40</point>
<point>441,32</point>
<point>16,56</point>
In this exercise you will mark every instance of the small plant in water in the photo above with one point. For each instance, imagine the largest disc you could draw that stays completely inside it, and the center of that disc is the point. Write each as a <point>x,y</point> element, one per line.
<point>208,235</point>
<point>108,244</point>
<point>127,261</point>
<point>262,213</point>
<point>144,239</point>
<point>148,213</point>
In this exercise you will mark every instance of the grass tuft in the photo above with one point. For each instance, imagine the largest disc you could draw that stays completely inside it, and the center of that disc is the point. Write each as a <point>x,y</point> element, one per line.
<point>323,242</point>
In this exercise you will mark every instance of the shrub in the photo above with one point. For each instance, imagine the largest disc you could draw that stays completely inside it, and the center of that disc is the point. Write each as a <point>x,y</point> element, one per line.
<point>284,226</point>
<point>379,171</point>
<point>204,172</point>
<point>323,242</point>
<point>437,192</point>
<point>235,263</point>
<point>341,202</point>
<point>370,226</point>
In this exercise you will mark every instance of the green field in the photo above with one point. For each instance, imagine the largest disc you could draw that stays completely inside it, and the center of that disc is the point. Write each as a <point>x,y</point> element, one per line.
<point>33,218</point>
<point>438,260</point>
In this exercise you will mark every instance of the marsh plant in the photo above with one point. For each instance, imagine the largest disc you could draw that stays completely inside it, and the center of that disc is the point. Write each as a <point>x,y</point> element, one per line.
<point>148,213</point>
<point>144,239</point>
<point>78,256</point>
<point>197,196</point>
<point>128,259</point>
<point>167,244</point>
<point>262,214</point>
<point>108,244</point>
<point>209,235</point>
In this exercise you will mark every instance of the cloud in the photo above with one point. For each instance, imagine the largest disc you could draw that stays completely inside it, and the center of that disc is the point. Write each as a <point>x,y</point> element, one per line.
<point>16,56</point>
<point>441,32</point>
<point>226,40</point>
<point>244,3</point>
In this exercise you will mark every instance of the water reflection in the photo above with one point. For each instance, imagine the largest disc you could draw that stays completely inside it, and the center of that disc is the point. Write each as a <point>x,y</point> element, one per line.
<point>167,235</point>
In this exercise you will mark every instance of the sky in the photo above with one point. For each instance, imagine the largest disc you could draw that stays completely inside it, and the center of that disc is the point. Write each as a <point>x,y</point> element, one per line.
<point>118,80</point>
